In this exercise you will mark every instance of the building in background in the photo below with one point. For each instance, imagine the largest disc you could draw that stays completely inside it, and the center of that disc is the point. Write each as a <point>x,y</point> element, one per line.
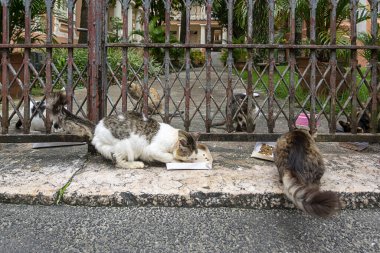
<point>198,22</point>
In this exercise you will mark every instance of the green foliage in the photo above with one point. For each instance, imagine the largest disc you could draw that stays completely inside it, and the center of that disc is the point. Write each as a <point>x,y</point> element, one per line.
<point>367,39</point>
<point>322,23</point>
<point>238,54</point>
<point>115,27</point>
<point>17,21</point>
<point>282,89</point>
<point>241,54</point>
<point>114,58</point>
<point>240,15</point>
<point>157,35</point>
<point>197,58</point>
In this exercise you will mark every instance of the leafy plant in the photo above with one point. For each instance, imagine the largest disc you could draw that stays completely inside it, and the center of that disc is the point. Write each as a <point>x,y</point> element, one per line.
<point>114,58</point>
<point>157,35</point>
<point>322,22</point>
<point>240,14</point>
<point>238,54</point>
<point>367,39</point>
<point>17,21</point>
<point>197,58</point>
<point>116,27</point>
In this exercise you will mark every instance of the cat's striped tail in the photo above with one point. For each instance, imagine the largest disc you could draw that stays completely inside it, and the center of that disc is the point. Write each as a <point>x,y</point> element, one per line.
<point>309,198</point>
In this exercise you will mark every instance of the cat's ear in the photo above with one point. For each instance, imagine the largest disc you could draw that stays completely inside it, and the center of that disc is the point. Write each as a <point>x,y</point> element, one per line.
<point>186,139</point>
<point>62,98</point>
<point>182,137</point>
<point>313,135</point>
<point>195,135</point>
<point>183,142</point>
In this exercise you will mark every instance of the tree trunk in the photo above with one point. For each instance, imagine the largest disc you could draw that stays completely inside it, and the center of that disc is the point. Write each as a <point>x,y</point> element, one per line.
<point>182,35</point>
<point>83,22</point>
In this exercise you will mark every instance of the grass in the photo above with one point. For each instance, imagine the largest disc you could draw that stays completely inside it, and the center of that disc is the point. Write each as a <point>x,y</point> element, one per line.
<point>62,191</point>
<point>282,89</point>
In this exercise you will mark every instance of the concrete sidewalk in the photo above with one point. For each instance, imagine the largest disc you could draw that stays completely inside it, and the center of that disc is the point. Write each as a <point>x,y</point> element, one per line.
<point>69,175</point>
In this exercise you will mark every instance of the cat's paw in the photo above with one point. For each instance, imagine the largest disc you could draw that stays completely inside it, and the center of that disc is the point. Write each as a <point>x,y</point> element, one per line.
<point>130,165</point>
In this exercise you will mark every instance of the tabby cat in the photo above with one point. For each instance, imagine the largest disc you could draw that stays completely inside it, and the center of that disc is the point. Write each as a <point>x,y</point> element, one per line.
<point>239,108</point>
<point>301,167</point>
<point>154,99</point>
<point>364,125</point>
<point>65,121</point>
<point>128,137</point>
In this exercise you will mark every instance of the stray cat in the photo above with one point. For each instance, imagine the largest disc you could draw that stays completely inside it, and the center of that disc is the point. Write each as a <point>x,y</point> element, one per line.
<point>239,108</point>
<point>129,136</point>
<point>154,99</point>
<point>37,123</point>
<point>65,121</point>
<point>301,167</point>
<point>364,125</point>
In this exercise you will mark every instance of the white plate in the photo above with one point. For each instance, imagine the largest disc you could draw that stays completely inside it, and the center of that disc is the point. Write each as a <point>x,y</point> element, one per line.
<point>258,155</point>
<point>189,166</point>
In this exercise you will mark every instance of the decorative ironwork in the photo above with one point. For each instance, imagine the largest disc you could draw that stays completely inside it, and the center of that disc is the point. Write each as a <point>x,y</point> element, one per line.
<point>192,97</point>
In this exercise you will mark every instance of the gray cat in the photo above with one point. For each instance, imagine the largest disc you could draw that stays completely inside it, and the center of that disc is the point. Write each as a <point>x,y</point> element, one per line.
<point>65,121</point>
<point>301,167</point>
<point>239,108</point>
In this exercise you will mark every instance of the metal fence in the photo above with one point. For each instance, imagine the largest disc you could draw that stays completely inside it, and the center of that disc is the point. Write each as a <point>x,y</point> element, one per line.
<point>195,98</point>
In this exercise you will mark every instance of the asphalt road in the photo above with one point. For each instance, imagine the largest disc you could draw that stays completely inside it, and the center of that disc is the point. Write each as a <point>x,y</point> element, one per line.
<point>84,229</point>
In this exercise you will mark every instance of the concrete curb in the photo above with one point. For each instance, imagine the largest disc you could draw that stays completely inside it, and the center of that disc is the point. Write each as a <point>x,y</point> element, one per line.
<point>39,176</point>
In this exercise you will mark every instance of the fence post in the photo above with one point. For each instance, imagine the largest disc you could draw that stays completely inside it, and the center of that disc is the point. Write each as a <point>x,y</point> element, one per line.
<point>4,67</point>
<point>97,61</point>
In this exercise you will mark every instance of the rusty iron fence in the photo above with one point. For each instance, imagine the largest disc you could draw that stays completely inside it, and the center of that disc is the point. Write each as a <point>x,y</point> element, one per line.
<point>195,98</point>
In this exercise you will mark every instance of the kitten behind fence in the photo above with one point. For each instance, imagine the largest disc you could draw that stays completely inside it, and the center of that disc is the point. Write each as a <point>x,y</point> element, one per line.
<point>301,167</point>
<point>65,121</point>
<point>154,101</point>
<point>239,109</point>
<point>37,122</point>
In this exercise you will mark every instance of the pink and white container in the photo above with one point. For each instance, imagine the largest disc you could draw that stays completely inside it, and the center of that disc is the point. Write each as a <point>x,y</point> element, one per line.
<point>303,121</point>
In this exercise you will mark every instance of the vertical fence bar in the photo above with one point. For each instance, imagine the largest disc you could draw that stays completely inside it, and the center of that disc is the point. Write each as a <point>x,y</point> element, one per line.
<point>124,85</point>
<point>4,67</point>
<point>25,91</point>
<point>103,87</point>
<point>49,54</point>
<point>271,122</point>
<point>146,8</point>
<point>208,65</point>
<point>187,66</point>
<point>292,63</point>
<point>333,64</point>
<point>229,91</point>
<point>168,4</point>
<point>96,103</point>
<point>249,90</point>
<point>353,65</point>
<point>374,77</point>
<point>92,68</point>
<point>70,53</point>
<point>313,59</point>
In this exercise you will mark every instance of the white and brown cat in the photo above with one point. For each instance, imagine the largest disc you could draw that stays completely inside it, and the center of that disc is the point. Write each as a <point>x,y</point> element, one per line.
<point>129,140</point>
